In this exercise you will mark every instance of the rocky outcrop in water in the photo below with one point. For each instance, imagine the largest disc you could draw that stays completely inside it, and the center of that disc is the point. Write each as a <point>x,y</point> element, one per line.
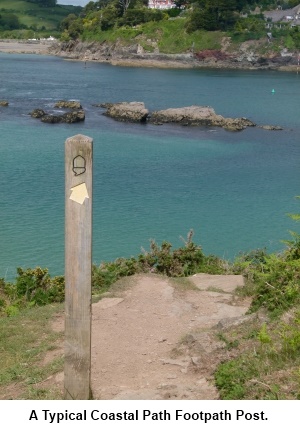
<point>271,127</point>
<point>67,117</point>
<point>68,104</point>
<point>38,113</point>
<point>199,116</point>
<point>76,114</point>
<point>127,112</point>
<point>189,116</point>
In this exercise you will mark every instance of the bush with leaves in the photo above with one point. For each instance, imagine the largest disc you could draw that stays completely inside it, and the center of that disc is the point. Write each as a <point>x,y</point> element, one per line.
<point>278,285</point>
<point>33,287</point>
<point>184,261</point>
<point>276,276</point>
<point>104,275</point>
<point>267,367</point>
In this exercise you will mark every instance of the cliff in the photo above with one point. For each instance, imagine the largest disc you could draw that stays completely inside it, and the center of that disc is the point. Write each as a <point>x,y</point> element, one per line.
<point>246,56</point>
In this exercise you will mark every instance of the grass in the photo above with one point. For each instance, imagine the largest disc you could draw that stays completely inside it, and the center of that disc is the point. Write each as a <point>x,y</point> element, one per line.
<point>266,363</point>
<point>17,5</point>
<point>170,36</point>
<point>32,15</point>
<point>183,284</point>
<point>25,339</point>
<point>261,358</point>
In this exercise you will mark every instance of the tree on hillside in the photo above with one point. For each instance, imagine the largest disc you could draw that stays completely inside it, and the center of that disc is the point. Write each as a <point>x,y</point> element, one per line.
<point>9,21</point>
<point>109,17</point>
<point>293,3</point>
<point>213,15</point>
<point>71,26</point>
<point>91,6</point>
<point>67,21</point>
<point>44,3</point>
<point>95,5</point>
<point>295,35</point>
<point>124,5</point>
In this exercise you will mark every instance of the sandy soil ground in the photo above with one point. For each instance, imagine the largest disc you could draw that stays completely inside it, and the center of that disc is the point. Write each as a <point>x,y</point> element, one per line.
<point>155,338</point>
<point>42,48</point>
<point>21,47</point>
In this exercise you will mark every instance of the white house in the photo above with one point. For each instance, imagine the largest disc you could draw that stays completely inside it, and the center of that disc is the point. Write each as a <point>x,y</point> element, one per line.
<point>161,4</point>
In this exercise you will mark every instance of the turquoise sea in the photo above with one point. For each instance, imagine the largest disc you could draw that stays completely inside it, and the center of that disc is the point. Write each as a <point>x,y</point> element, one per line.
<point>150,182</point>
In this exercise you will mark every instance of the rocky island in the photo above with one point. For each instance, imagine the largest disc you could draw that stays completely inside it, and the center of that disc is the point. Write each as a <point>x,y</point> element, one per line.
<point>187,116</point>
<point>75,114</point>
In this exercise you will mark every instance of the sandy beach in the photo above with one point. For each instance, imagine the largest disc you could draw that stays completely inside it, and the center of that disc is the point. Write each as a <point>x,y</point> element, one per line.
<point>43,48</point>
<point>25,47</point>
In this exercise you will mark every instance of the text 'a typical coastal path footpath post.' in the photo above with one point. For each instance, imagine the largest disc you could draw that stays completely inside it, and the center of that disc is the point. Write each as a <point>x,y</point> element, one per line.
<point>78,267</point>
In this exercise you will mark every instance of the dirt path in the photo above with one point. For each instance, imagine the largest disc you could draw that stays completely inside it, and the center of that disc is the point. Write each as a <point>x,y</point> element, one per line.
<point>153,338</point>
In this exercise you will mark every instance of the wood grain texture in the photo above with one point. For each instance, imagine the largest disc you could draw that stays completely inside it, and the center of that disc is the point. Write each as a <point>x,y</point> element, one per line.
<point>78,271</point>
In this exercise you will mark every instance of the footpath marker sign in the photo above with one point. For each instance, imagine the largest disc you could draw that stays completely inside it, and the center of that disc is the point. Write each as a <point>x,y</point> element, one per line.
<point>78,266</point>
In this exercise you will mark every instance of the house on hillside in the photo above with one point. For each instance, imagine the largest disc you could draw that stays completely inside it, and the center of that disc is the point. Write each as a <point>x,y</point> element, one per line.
<point>161,4</point>
<point>280,16</point>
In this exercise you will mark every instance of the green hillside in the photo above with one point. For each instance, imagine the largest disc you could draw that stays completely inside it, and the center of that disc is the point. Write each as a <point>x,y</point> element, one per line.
<point>192,25</point>
<point>18,15</point>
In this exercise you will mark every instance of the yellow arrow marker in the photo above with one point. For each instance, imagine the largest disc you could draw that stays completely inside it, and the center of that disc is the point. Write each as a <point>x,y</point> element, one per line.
<point>79,193</point>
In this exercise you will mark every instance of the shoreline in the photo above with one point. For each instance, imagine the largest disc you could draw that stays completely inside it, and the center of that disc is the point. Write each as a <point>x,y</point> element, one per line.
<point>24,47</point>
<point>162,61</point>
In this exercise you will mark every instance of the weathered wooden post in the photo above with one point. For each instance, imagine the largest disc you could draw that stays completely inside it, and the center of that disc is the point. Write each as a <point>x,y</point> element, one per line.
<point>78,266</point>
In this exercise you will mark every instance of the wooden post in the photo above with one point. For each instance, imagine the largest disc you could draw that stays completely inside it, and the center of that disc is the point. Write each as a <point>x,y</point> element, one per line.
<point>78,266</point>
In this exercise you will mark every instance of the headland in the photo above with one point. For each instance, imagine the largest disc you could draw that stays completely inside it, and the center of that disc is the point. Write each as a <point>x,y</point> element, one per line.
<point>245,58</point>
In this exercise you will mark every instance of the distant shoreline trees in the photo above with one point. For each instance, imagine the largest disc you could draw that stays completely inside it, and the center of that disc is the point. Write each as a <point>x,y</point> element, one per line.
<point>44,3</point>
<point>208,15</point>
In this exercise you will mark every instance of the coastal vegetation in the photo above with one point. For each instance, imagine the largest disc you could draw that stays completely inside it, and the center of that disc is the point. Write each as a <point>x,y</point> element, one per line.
<point>266,362</point>
<point>192,26</point>
<point>262,359</point>
<point>263,355</point>
<point>20,19</point>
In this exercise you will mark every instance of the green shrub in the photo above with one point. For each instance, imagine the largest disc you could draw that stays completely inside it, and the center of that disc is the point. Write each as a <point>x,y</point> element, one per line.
<point>33,287</point>
<point>230,379</point>
<point>11,310</point>
<point>263,335</point>
<point>270,371</point>
<point>276,276</point>
<point>184,261</point>
<point>290,336</point>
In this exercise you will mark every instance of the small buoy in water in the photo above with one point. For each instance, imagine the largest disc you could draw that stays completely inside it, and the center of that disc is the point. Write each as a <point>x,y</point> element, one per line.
<point>273,91</point>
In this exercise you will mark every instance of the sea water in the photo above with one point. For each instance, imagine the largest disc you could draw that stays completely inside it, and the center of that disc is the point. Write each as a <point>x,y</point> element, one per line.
<point>233,189</point>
